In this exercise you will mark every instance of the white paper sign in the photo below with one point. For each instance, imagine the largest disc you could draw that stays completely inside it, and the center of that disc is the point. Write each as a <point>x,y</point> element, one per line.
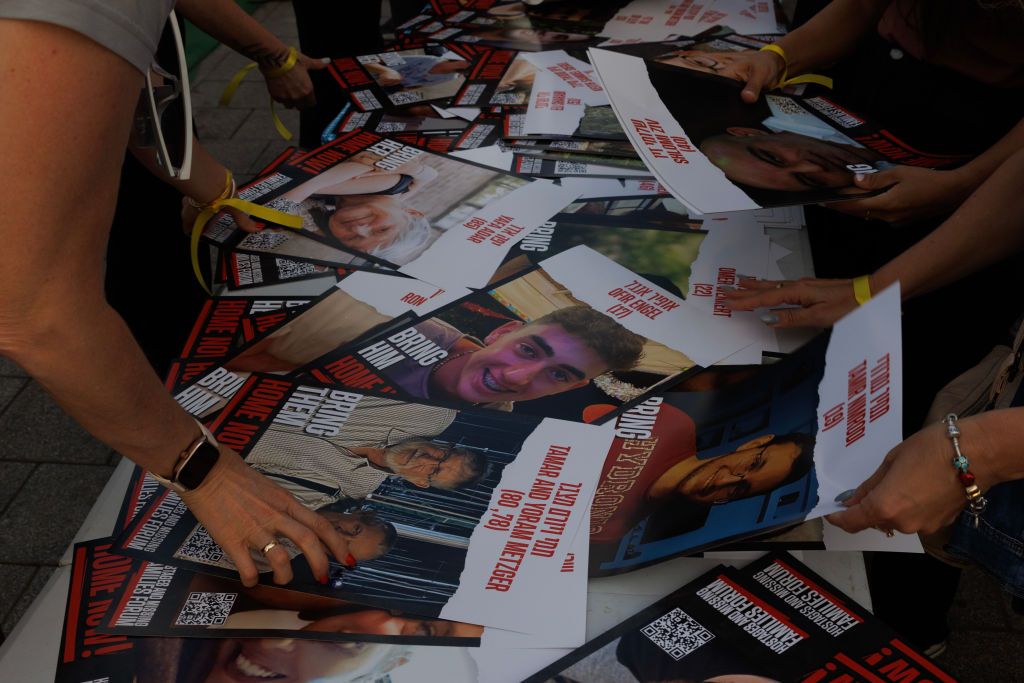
<point>393,296</point>
<point>535,513</point>
<point>468,254</point>
<point>860,398</point>
<point>660,140</point>
<point>735,246</point>
<point>643,307</point>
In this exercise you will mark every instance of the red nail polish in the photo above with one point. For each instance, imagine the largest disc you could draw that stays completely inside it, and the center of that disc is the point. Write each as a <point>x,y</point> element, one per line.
<point>350,561</point>
<point>322,579</point>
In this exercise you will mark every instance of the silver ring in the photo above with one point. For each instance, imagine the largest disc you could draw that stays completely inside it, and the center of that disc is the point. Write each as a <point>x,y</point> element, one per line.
<point>268,547</point>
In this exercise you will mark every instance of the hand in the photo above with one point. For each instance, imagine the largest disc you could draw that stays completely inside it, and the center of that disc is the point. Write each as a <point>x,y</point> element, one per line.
<point>915,489</point>
<point>244,511</point>
<point>913,193</point>
<point>759,69</point>
<point>294,89</point>
<point>242,220</point>
<point>822,302</point>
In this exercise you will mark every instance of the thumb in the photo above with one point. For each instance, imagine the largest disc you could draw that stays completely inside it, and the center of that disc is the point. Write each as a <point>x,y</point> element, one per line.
<point>314,64</point>
<point>876,181</point>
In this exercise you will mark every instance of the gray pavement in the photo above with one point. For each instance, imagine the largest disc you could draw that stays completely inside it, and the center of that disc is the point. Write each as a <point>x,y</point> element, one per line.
<point>51,471</point>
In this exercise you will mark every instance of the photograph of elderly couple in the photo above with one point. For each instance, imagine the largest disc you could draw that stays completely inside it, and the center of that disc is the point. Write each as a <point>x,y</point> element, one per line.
<point>405,483</point>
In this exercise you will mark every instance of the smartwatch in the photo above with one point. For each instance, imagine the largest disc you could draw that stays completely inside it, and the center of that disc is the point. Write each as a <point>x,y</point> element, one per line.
<point>194,463</point>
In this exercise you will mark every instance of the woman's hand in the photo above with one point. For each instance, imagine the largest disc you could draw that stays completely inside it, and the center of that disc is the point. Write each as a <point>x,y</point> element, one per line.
<point>916,489</point>
<point>244,511</point>
<point>822,302</point>
<point>760,70</point>
<point>189,214</point>
<point>294,89</point>
<point>913,193</point>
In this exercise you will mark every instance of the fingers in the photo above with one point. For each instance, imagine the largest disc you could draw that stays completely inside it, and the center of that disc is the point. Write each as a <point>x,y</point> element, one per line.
<point>307,541</point>
<point>278,559</point>
<point>243,221</point>
<point>321,534</point>
<point>877,181</point>
<point>761,74</point>
<point>247,572</point>
<point>314,64</point>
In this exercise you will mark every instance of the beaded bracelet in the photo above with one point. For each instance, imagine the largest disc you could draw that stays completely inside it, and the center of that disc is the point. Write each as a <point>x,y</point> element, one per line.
<point>976,502</point>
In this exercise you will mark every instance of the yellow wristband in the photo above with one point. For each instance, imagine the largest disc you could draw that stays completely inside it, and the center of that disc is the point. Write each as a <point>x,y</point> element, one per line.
<point>211,209</point>
<point>784,79</point>
<point>862,289</point>
<point>289,63</point>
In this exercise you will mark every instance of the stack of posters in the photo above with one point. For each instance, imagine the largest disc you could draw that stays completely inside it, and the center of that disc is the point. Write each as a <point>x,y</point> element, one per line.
<point>775,620</point>
<point>498,359</point>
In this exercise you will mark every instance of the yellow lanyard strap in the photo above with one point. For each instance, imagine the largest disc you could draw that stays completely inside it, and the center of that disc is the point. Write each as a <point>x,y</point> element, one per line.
<point>232,87</point>
<point>213,208</point>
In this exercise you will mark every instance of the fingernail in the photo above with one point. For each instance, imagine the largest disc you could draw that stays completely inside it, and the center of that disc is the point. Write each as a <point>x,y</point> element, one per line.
<point>322,579</point>
<point>726,288</point>
<point>845,495</point>
<point>858,177</point>
<point>769,318</point>
<point>350,561</point>
<point>745,277</point>
<point>325,60</point>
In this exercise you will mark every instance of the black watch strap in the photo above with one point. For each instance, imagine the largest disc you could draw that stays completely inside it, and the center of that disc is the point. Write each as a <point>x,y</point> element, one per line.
<point>194,471</point>
<point>194,463</point>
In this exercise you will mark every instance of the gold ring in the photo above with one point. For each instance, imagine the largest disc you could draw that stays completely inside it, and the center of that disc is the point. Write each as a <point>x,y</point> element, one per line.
<point>268,547</point>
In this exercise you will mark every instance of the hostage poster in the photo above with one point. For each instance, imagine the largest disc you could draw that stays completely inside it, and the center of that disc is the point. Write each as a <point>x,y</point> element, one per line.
<point>462,514</point>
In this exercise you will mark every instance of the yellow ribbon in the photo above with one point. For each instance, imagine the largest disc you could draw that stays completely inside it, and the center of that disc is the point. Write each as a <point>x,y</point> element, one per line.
<point>796,80</point>
<point>862,289</point>
<point>236,80</point>
<point>216,206</point>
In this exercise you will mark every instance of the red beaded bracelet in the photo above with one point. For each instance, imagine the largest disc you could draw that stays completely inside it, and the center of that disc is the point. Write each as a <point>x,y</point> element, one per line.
<point>976,502</point>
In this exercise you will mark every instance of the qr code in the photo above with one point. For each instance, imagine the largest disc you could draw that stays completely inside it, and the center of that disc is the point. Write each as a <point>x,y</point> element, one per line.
<point>408,97</point>
<point>289,269</point>
<point>677,634</point>
<point>264,240</point>
<point>206,609</point>
<point>200,547</point>
<point>568,167</point>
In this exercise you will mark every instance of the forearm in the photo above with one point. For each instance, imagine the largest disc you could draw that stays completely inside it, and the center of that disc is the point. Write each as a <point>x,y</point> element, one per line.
<point>832,34</point>
<point>83,354</point>
<point>206,182</point>
<point>992,441</point>
<point>231,25</point>
<point>972,174</point>
<point>987,227</point>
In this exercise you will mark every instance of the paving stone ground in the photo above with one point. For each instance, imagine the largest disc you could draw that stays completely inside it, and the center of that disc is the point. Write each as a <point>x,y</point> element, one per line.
<point>51,471</point>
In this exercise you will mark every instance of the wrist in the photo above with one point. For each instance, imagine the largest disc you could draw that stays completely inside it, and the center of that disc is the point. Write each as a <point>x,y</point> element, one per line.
<point>990,437</point>
<point>281,63</point>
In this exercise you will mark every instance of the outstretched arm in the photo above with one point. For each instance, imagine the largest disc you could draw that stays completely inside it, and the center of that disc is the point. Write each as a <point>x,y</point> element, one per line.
<point>832,34</point>
<point>231,25</point>
<point>916,487</point>
<point>985,229</point>
<point>63,140</point>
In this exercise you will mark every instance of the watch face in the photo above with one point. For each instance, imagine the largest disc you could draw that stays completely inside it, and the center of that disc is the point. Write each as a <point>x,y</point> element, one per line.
<point>198,466</point>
